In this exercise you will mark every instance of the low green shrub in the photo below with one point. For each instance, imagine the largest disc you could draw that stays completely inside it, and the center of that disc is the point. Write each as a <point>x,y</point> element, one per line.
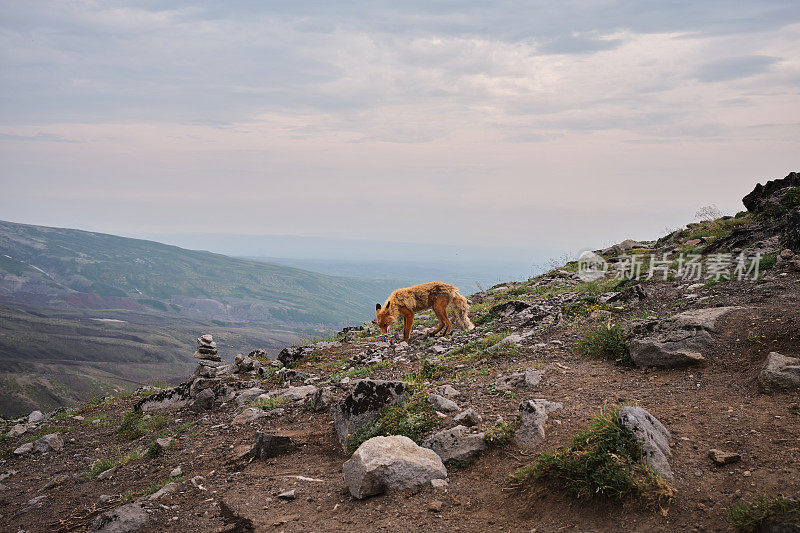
<point>768,262</point>
<point>748,517</point>
<point>604,342</point>
<point>500,433</point>
<point>603,460</point>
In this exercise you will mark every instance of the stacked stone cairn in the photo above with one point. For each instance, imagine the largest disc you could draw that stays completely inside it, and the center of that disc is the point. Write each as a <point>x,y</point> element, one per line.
<point>207,358</point>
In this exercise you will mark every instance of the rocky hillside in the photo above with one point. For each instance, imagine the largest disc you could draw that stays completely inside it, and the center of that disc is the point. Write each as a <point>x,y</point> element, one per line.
<point>650,386</point>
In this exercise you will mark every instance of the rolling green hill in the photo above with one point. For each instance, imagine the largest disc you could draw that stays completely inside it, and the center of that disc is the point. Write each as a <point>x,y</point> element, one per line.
<point>73,268</point>
<point>84,313</point>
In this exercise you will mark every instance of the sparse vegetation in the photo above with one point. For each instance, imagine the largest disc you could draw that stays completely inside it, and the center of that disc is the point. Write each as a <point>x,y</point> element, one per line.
<point>269,403</point>
<point>151,489</point>
<point>792,198</point>
<point>605,341</point>
<point>135,424</point>
<point>768,262</point>
<point>602,460</point>
<point>412,416</point>
<point>749,517</point>
<point>500,433</point>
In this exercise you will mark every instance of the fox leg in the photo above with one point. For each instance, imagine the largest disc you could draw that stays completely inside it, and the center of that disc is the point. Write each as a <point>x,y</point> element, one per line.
<point>440,308</point>
<point>441,317</point>
<point>408,322</point>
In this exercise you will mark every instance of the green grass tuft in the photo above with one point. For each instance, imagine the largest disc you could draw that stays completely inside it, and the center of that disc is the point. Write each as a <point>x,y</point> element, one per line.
<point>764,510</point>
<point>604,342</point>
<point>603,460</point>
<point>272,402</point>
<point>500,433</point>
<point>134,424</point>
<point>768,262</point>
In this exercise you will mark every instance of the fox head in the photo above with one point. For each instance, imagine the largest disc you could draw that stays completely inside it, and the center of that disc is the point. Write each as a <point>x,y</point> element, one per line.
<point>383,318</point>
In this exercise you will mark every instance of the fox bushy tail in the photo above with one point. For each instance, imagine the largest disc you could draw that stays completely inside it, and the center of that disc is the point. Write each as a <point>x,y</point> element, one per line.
<point>461,307</point>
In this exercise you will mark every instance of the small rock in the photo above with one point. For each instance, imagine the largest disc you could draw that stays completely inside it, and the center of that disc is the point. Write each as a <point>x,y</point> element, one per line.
<point>204,400</point>
<point>269,445</point>
<point>533,414</point>
<point>287,495</point>
<point>164,443</point>
<point>435,506</point>
<point>723,458</point>
<point>123,519</point>
<point>25,448</point>
<point>449,392</point>
<point>294,394</point>
<point>457,444</point>
<point>17,430</point>
<point>322,399</point>
<point>52,442</point>
<point>780,372</point>
<point>438,483</point>
<point>169,488</point>
<point>35,417</point>
<point>442,404</point>
<point>468,417</point>
<point>248,415</point>
<point>176,472</point>
<point>106,474</point>
<point>528,379</point>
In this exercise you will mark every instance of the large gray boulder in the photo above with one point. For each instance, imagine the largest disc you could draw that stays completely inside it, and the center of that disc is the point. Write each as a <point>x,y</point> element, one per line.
<point>780,372</point>
<point>533,414</point>
<point>653,436</point>
<point>676,341</point>
<point>361,406</point>
<point>124,519</point>
<point>457,444</point>
<point>391,463</point>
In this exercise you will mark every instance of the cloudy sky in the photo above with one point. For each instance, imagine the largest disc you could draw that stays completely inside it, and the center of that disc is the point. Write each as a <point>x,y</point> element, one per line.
<point>533,124</point>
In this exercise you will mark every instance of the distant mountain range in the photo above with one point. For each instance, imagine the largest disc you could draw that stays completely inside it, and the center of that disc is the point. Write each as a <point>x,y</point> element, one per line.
<point>81,269</point>
<point>82,313</point>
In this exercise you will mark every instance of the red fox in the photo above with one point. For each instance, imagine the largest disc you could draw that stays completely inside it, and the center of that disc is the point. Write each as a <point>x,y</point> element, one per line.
<point>408,300</point>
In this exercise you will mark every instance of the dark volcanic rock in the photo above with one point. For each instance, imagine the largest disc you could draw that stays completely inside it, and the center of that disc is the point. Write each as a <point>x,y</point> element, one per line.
<point>762,195</point>
<point>291,355</point>
<point>361,406</point>
<point>510,308</point>
<point>268,445</point>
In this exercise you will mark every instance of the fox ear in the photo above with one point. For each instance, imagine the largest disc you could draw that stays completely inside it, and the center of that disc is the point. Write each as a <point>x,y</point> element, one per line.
<point>388,304</point>
<point>377,307</point>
